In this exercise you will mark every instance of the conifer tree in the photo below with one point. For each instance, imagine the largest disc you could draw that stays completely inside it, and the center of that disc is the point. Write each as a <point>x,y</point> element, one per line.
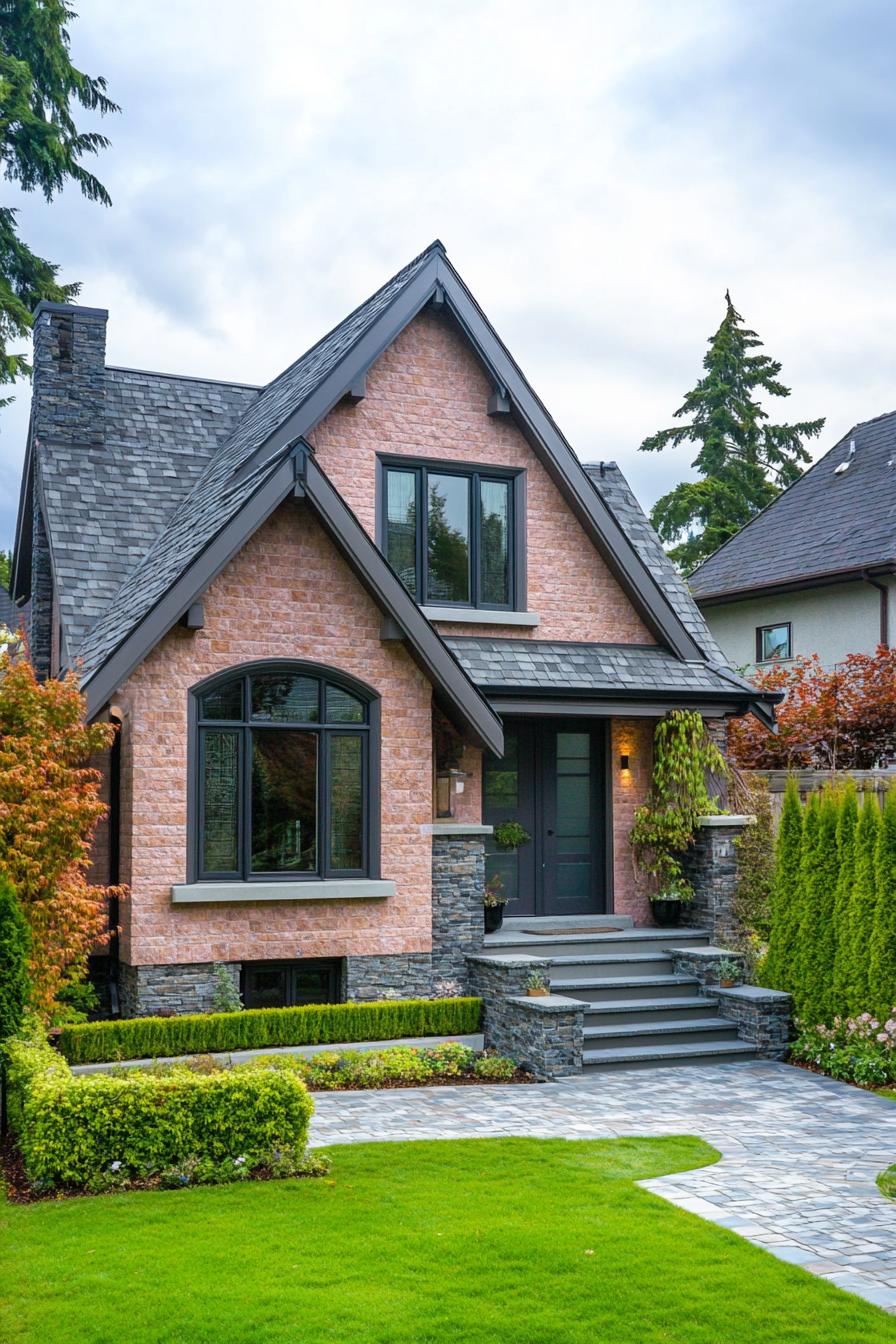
<point>862,905</point>
<point>743,461</point>
<point>15,944</point>
<point>882,961</point>
<point>778,969</point>
<point>810,868</point>
<point>817,944</point>
<point>846,860</point>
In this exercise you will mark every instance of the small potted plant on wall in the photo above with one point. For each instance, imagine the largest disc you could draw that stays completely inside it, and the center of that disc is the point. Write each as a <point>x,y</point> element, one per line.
<point>728,972</point>
<point>684,756</point>
<point>537,985</point>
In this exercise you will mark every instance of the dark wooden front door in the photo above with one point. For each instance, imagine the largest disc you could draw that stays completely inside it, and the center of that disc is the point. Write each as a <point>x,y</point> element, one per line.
<point>551,780</point>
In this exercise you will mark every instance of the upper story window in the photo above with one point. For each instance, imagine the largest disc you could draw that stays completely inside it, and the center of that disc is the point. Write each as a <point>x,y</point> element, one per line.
<point>452,534</point>
<point>284,776</point>
<point>773,641</point>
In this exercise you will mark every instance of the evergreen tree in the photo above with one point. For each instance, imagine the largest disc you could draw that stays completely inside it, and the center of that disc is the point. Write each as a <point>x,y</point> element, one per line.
<point>846,859</point>
<point>15,944</point>
<point>817,944</point>
<point>743,461</point>
<point>41,149</point>
<point>778,969</point>
<point>862,905</point>
<point>808,877</point>
<point>882,961</point>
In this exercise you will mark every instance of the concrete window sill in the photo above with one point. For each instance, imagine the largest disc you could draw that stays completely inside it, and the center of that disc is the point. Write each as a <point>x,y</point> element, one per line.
<point>228,893</point>
<point>480,616</point>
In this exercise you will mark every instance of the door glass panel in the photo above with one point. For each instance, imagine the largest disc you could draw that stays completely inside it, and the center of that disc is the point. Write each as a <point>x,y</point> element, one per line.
<point>346,802</point>
<point>220,780</point>
<point>573,747</point>
<point>501,786</point>
<point>342,707</point>
<point>284,801</point>
<point>280,697</point>
<point>266,987</point>
<point>506,866</point>
<point>225,702</point>
<point>401,526</point>
<point>494,542</point>
<point>448,540</point>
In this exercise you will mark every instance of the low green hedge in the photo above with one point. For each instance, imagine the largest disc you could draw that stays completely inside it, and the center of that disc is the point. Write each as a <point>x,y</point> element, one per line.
<point>312,1024</point>
<point>72,1130</point>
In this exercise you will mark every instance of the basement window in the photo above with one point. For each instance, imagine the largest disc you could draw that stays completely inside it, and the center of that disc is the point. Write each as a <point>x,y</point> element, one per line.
<point>286,984</point>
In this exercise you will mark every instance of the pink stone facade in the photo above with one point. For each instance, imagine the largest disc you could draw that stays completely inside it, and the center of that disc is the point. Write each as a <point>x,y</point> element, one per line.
<point>289,594</point>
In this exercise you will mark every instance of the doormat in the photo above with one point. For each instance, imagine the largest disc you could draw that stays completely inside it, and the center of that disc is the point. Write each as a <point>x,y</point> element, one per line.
<point>559,933</point>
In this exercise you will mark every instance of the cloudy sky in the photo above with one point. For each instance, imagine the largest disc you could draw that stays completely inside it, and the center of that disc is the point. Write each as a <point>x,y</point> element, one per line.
<point>599,173</point>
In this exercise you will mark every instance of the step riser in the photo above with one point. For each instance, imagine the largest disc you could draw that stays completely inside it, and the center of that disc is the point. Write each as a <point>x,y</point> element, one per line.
<point>609,970</point>
<point>630,990</point>
<point>668,1062</point>
<point>594,1017</point>
<point>593,947</point>
<point>716,1036</point>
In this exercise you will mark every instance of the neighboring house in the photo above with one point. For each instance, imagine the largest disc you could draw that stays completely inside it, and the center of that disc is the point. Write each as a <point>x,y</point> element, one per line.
<point>10,616</point>
<point>347,622</point>
<point>815,572</point>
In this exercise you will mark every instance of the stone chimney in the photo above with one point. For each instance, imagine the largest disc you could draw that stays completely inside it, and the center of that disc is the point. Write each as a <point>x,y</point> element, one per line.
<point>69,400</point>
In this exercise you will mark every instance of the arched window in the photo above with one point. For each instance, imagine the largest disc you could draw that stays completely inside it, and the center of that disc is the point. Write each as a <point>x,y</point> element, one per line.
<point>283,757</point>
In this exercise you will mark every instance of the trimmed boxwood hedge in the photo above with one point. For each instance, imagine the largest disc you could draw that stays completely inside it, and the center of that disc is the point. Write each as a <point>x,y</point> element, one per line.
<point>255,1028</point>
<point>72,1130</point>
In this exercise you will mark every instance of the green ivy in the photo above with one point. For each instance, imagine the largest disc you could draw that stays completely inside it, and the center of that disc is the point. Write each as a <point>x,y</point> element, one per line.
<point>683,755</point>
<point>255,1028</point>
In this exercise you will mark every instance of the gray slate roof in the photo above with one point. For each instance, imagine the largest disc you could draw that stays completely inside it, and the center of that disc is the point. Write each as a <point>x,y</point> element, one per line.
<point>223,487</point>
<point>616,493</point>
<point>823,524</point>
<point>105,505</point>
<point>544,666</point>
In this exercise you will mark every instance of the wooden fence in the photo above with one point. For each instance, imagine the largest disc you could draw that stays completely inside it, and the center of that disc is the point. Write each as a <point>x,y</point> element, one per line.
<point>809,781</point>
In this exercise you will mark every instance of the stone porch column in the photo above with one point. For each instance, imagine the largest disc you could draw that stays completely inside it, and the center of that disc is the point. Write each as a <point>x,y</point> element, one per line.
<point>711,867</point>
<point>458,877</point>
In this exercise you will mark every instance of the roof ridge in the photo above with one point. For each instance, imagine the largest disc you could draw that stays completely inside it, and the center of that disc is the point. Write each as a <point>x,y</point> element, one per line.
<point>184,377</point>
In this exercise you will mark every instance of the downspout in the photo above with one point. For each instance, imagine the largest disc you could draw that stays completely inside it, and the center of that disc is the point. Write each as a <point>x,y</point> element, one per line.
<point>114,862</point>
<point>884,608</point>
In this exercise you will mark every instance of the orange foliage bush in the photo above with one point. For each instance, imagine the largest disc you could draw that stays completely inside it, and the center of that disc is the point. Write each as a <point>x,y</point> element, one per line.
<point>49,809</point>
<point>843,718</point>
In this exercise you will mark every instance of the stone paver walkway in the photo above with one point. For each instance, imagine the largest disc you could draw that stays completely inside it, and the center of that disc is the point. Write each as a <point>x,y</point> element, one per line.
<point>799,1152</point>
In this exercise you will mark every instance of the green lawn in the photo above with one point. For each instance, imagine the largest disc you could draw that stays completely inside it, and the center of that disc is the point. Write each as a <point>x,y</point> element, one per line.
<point>505,1241</point>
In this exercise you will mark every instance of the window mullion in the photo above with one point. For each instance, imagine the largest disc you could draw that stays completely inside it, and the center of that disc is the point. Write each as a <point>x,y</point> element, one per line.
<point>475,514</point>
<point>422,488</point>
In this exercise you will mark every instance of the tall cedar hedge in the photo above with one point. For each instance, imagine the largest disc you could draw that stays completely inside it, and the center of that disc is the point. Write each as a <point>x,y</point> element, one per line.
<point>15,945</point>
<point>311,1024</point>
<point>832,943</point>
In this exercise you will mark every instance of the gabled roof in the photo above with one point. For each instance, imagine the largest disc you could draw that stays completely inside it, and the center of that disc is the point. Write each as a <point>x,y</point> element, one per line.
<point>828,526</point>
<point>616,493</point>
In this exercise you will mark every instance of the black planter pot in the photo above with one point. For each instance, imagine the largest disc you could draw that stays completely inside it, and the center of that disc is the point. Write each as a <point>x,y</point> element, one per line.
<point>666,913</point>
<point>494,917</point>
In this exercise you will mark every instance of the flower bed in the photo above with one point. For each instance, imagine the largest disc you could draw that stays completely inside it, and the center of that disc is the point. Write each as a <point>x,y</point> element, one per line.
<point>859,1050</point>
<point>257,1028</point>
<point>172,1127</point>
<point>396,1066</point>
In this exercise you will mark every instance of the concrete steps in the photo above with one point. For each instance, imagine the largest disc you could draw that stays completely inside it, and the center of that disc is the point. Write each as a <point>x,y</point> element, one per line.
<point>638,1012</point>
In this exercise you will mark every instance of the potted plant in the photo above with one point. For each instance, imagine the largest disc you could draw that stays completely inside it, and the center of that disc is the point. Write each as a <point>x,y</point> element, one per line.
<point>509,835</point>
<point>728,971</point>
<point>537,985</point>
<point>494,899</point>
<point>683,756</point>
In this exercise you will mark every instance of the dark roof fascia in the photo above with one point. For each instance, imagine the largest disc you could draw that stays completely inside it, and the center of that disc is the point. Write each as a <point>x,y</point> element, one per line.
<point>299,474</point>
<point>592,707</point>
<point>820,579</point>
<point>567,471</point>
<point>459,696</point>
<point>20,578</point>
<point>105,680</point>
<point>405,306</point>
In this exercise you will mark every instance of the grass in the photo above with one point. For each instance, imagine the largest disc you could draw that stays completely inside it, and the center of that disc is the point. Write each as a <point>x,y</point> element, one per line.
<point>510,1241</point>
<point>886,1182</point>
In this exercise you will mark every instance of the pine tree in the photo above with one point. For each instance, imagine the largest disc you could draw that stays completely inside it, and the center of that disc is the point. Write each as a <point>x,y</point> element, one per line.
<point>882,961</point>
<point>862,905</point>
<point>743,461</point>
<point>778,968</point>
<point>41,149</point>
<point>808,877</point>
<point>817,945</point>
<point>846,859</point>
<point>15,944</point>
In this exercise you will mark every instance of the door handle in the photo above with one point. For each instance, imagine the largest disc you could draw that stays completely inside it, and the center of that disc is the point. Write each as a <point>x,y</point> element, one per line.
<point>550,832</point>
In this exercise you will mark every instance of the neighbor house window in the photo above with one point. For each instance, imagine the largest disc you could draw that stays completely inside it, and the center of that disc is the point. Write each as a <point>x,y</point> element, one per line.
<point>284,765</point>
<point>449,533</point>
<point>773,641</point>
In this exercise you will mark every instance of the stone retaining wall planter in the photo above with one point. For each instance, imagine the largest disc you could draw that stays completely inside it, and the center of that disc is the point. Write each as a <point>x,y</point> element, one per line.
<point>763,1016</point>
<point>544,1035</point>
<point>703,964</point>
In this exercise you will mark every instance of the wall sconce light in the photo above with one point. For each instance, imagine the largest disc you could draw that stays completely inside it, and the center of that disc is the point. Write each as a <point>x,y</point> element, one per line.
<point>624,761</point>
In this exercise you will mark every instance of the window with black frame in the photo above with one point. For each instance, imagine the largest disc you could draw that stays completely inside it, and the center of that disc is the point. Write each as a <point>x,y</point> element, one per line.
<point>283,777</point>
<point>449,534</point>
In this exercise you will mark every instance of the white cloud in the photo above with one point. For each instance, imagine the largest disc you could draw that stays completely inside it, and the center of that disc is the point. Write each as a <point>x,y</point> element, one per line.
<point>599,174</point>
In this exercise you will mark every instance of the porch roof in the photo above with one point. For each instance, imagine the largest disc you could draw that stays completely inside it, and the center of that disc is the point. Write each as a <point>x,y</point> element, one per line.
<point>544,667</point>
